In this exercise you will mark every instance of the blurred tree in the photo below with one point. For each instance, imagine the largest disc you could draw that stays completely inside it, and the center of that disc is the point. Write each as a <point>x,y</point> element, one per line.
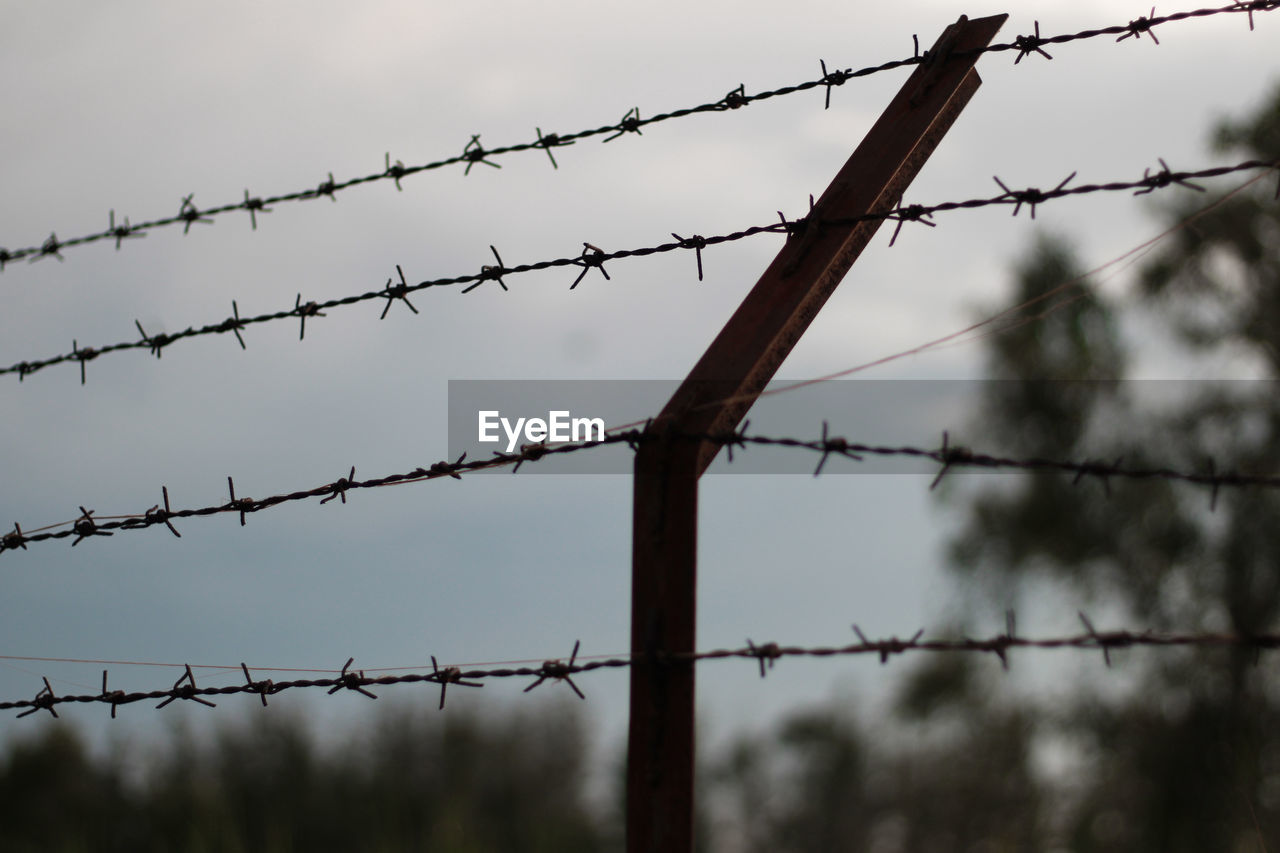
<point>418,781</point>
<point>952,774</point>
<point>1186,762</point>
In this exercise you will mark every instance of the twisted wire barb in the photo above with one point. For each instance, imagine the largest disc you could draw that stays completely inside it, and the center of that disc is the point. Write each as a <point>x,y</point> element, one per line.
<point>594,257</point>
<point>765,655</point>
<point>947,456</point>
<point>631,123</point>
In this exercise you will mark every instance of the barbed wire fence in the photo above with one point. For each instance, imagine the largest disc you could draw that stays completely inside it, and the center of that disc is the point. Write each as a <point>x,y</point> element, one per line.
<point>947,456</point>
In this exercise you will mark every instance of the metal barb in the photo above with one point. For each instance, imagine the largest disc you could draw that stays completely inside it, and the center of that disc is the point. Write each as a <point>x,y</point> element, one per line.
<point>395,171</point>
<point>448,675</point>
<point>340,487</point>
<point>155,344</point>
<point>1214,483</point>
<point>44,701</point>
<point>329,188</point>
<point>630,123</point>
<point>185,688</point>
<point>121,232</point>
<point>155,515</point>
<point>1162,179</point>
<point>530,453</point>
<point>394,292</point>
<point>351,681</point>
<point>310,309</point>
<point>262,688</point>
<point>85,527</point>
<point>768,653</point>
<point>551,140</point>
<point>833,445</point>
<point>832,78</point>
<point>47,248</point>
<point>242,505</point>
<point>910,213</point>
<point>948,456</point>
<point>1096,637</point>
<point>1252,6</point>
<point>1140,26</point>
<point>254,206</point>
<point>490,273</point>
<point>82,355</point>
<point>697,242</point>
<point>474,153</point>
<point>189,213</point>
<point>13,540</point>
<point>592,256</point>
<point>735,99</point>
<point>1032,196</point>
<point>445,469</point>
<point>1027,45</point>
<point>113,697</point>
<point>796,227</point>
<point>560,671</point>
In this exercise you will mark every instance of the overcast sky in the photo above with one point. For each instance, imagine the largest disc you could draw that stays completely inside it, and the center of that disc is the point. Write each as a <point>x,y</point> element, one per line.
<point>133,106</point>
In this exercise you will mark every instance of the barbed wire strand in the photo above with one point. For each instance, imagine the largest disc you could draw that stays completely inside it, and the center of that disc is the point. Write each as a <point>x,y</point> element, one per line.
<point>592,257</point>
<point>947,455</point>
<point>632,122</point>
<point>765,655</point>
<point>1014,315</point>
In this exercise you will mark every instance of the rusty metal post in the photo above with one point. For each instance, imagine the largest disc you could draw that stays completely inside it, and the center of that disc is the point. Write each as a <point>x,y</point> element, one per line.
<point>717,394</point>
